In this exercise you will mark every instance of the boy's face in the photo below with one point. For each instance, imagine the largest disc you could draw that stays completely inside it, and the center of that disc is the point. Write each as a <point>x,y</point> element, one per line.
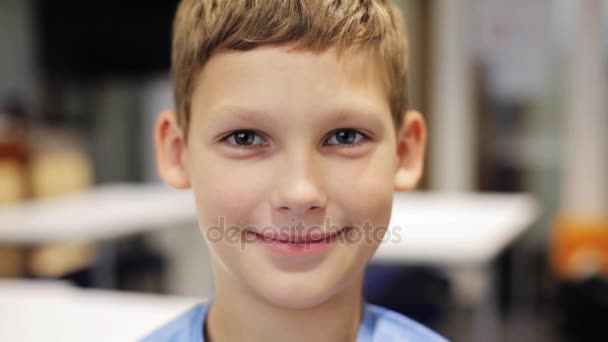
<point>279,139</point>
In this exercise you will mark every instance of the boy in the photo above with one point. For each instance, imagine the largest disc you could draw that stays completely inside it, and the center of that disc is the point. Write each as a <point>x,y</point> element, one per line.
<point>292,129</point>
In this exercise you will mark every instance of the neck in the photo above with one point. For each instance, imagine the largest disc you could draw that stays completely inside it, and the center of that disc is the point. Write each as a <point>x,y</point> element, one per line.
<point>237,314</point>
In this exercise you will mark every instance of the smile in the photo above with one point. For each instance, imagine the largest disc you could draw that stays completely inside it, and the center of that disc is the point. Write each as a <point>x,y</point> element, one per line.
<point>300,245</point>
<point>314,237</point>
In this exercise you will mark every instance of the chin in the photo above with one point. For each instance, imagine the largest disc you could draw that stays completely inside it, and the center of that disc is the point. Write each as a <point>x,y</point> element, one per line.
<point>301,295</point>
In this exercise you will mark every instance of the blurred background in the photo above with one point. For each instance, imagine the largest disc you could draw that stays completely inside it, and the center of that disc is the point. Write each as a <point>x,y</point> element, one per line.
<point>516,96</point>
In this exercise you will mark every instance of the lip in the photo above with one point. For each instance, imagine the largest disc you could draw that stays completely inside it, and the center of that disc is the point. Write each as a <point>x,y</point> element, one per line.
<point>300,238</point>
<point>300,245</point>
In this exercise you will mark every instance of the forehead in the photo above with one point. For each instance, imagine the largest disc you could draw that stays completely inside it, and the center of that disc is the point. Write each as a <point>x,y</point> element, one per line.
<point>277,79</point>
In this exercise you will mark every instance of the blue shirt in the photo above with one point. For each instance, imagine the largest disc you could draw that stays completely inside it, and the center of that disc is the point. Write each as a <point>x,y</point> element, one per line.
<point>379,325</point>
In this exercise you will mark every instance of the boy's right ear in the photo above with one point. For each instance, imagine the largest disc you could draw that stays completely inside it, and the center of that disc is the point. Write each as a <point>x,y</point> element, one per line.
<point>171,151</point>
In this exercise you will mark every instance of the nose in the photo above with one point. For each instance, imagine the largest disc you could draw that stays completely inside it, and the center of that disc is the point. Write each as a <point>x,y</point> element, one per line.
<point>298,189</point>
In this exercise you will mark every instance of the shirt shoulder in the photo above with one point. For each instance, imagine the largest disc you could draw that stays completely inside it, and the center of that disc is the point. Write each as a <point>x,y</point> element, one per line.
<point>382,324</point>
<point>188,326</point>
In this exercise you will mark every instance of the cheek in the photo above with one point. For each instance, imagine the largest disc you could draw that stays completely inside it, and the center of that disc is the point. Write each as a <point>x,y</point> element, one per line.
<point>223,189</point>
<point>369,190</point>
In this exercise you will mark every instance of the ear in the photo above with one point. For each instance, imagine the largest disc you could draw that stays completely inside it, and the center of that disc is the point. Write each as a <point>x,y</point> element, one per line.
<point>171,151</point>
<point>411,148</point>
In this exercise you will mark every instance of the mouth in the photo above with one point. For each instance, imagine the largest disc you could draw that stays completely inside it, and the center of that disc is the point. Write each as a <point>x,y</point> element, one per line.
<point>300,245</point>
<point>309,238</point>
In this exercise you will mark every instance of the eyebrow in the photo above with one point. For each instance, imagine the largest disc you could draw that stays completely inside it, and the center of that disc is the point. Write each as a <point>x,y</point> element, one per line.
<point>362,113</point>
<point>368,115</point>
<point>240,113</point>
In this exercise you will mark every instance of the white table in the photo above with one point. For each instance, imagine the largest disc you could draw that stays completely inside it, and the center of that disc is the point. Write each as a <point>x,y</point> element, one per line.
<point>103,212</point>
<point>452,229</point>
<point>53,311</point>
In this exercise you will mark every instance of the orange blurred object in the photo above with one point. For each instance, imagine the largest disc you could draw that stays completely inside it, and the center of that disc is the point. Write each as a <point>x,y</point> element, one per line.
<point>579,246</point>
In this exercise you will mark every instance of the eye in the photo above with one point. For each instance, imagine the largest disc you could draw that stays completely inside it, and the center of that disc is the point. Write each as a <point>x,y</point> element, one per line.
<point>245,138</point>
<point>346,136</point>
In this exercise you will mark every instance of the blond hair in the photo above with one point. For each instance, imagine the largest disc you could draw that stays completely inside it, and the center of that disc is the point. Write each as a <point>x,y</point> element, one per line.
<point>202,27</point>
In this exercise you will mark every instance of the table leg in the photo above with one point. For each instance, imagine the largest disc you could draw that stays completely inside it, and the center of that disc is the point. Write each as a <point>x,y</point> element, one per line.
<point>486,322</point>
<point>104,272</point>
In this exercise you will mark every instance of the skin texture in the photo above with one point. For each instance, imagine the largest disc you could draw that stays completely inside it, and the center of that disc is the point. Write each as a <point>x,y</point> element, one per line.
<point>293,167</point>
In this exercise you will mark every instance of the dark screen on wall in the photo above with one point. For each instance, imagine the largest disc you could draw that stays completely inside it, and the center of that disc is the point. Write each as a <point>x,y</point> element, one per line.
<point>94,38</point>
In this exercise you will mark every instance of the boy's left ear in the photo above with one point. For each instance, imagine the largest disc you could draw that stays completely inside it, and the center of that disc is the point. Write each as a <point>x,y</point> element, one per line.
<point>411,148</point>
